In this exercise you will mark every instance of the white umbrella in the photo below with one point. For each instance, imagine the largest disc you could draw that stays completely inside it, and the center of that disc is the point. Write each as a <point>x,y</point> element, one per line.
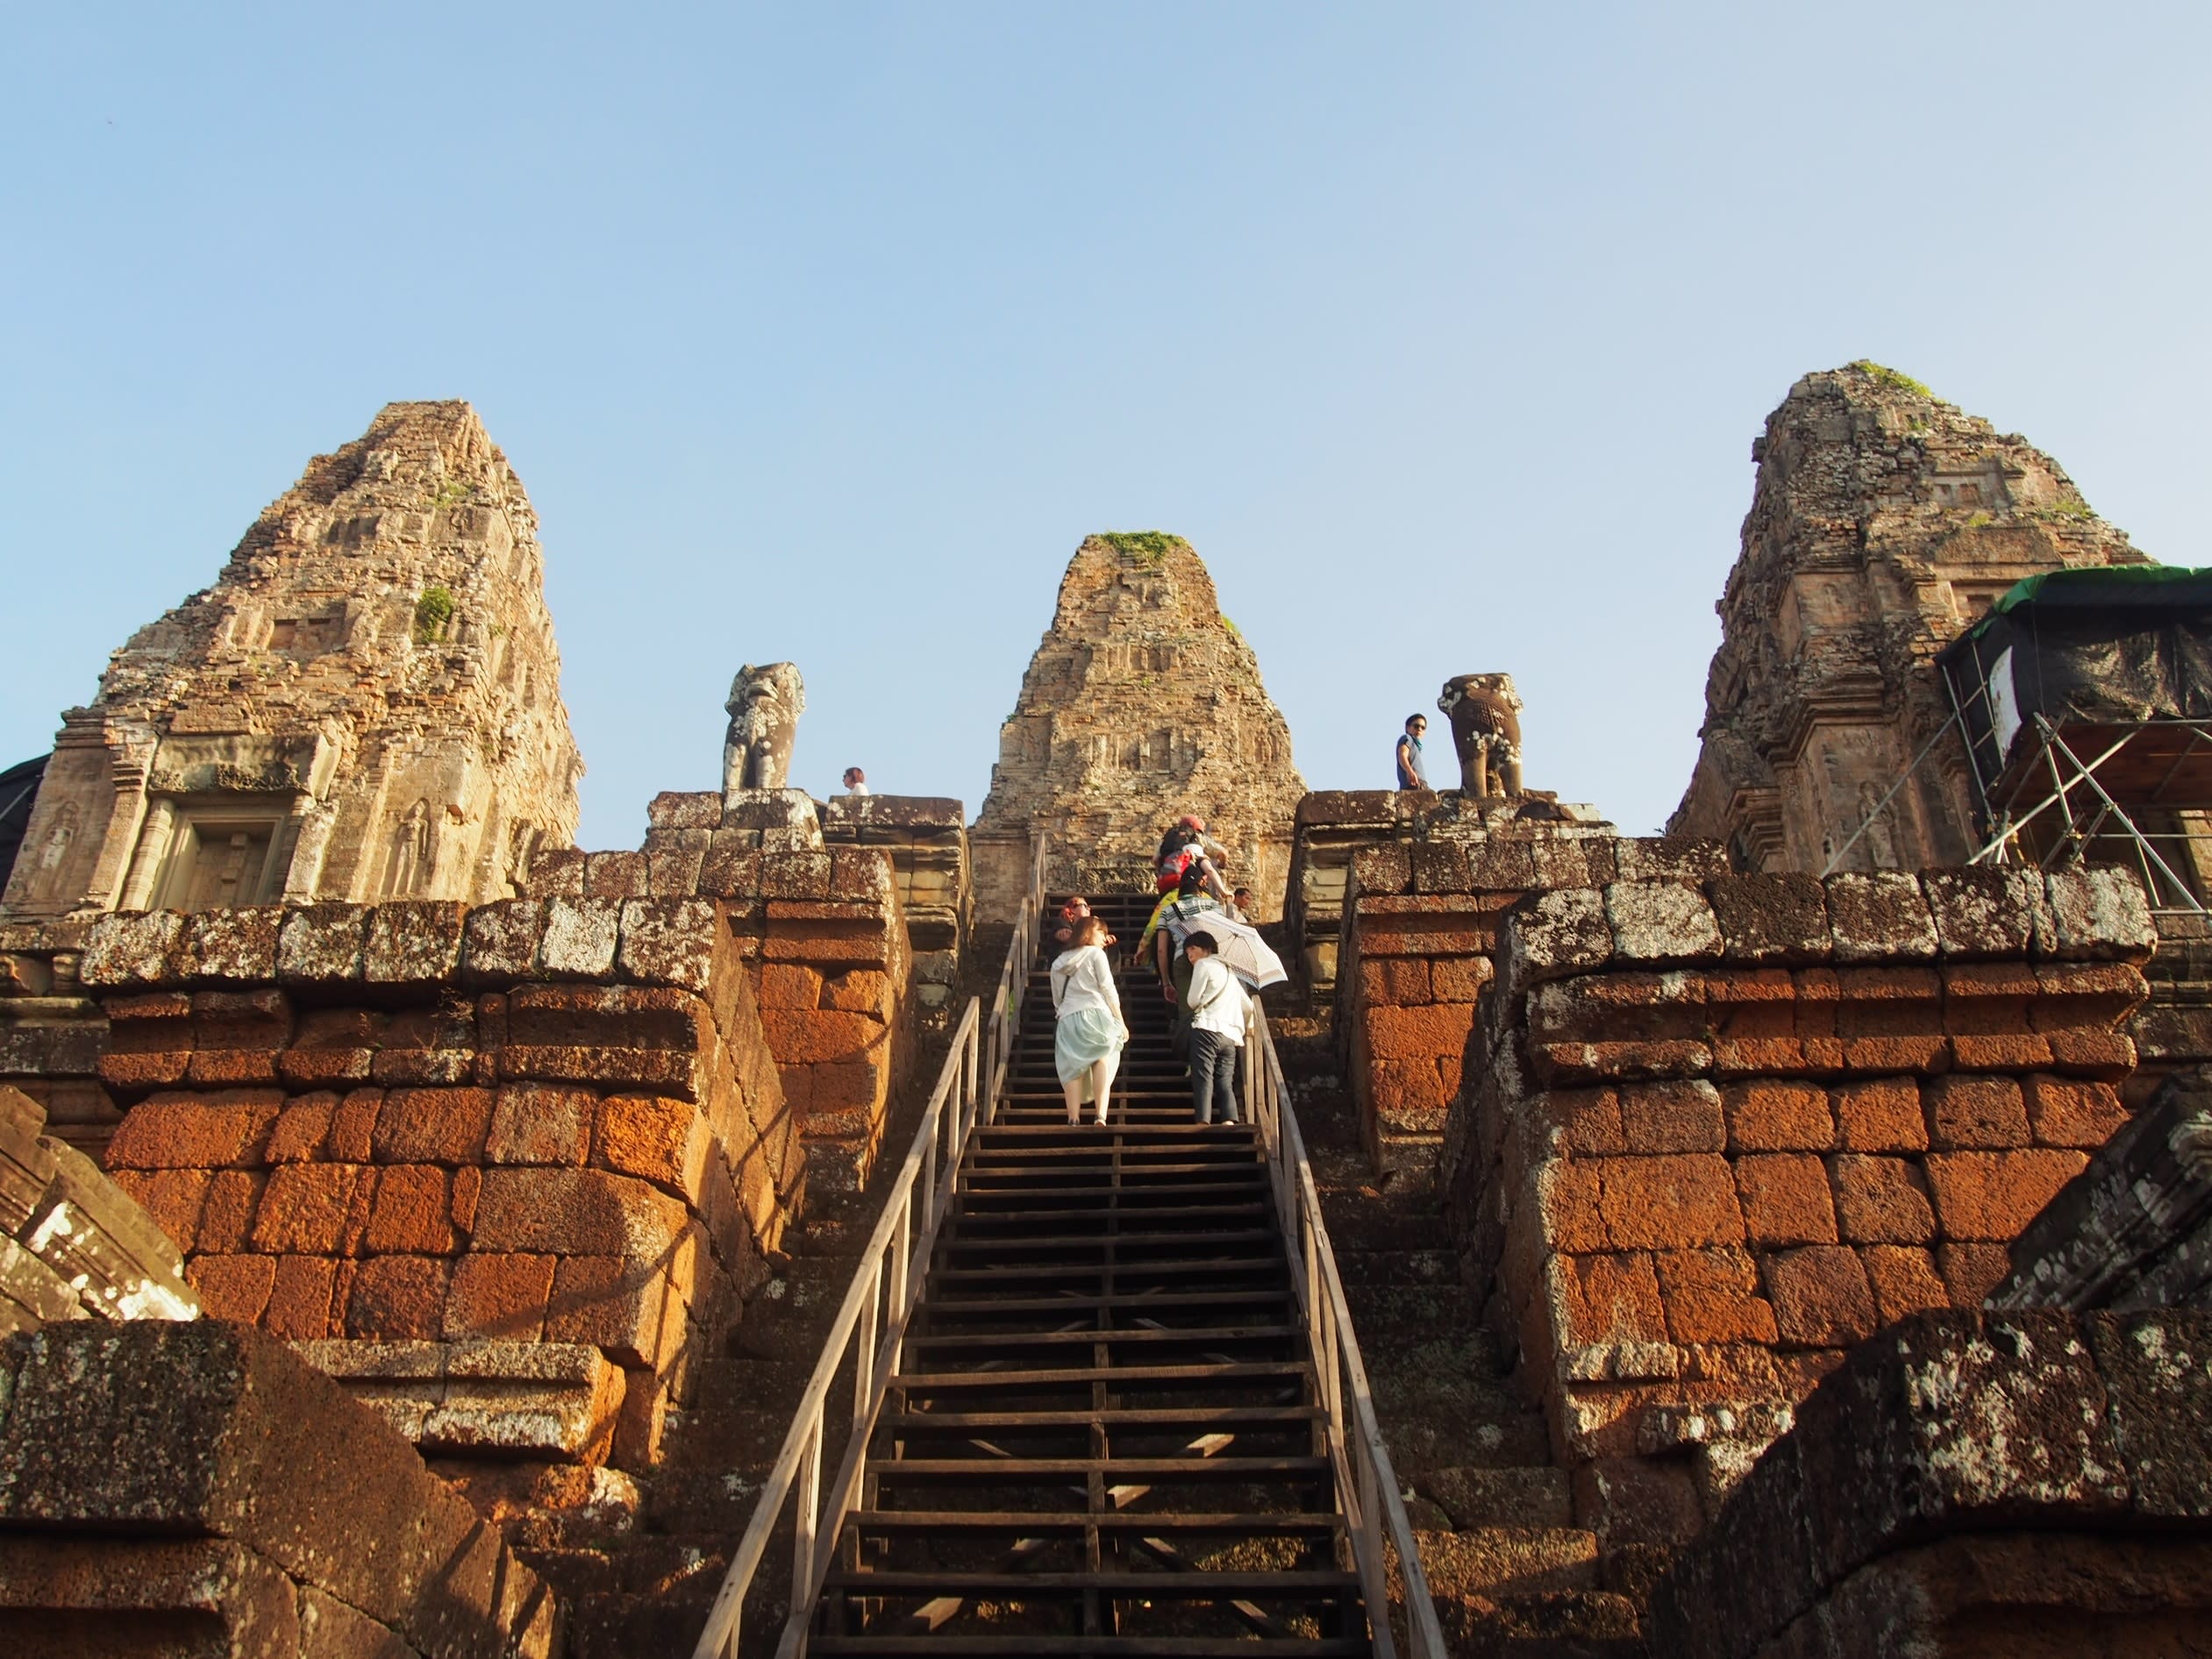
<point>1242,950</point>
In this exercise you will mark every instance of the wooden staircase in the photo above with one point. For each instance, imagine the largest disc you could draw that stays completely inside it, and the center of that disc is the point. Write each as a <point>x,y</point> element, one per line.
<point>1103,1437</point>
<point>1106,1398</point>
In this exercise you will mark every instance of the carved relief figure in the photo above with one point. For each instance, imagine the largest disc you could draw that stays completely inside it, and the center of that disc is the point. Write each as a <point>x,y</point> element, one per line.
<point>765,706</point>
<point>410,858</point>
<point>1486,729</point>
<point>54,852</point>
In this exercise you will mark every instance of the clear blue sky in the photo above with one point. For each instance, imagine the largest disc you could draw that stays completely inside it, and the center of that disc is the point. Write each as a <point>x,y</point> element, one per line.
<point>827,332</point>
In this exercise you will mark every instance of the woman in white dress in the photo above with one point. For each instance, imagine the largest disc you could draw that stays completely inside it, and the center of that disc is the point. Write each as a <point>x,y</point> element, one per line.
<point>1089,1032</point>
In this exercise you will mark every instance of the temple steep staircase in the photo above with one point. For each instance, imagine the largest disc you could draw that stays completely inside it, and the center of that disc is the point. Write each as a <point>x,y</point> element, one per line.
<point>1116,1408</point>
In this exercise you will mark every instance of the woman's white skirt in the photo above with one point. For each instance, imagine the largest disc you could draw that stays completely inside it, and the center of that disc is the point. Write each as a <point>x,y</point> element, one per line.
<point>1080,1040</point>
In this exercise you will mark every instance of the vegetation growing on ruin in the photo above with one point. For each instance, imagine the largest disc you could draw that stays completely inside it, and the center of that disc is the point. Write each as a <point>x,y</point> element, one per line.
<point>1147,548</point>
<point>433,612</point>
<point>453,492</point>
<point>1892,378</point>
<point>2071,507</point>
<point>1235,632</point>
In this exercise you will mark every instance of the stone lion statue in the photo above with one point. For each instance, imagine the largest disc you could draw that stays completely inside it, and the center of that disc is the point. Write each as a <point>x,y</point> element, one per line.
<point>765,706</point>
<point>1486,729</point>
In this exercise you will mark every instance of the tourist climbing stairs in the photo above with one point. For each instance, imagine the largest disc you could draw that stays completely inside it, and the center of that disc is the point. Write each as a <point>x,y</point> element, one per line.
<point>1111,1412</point>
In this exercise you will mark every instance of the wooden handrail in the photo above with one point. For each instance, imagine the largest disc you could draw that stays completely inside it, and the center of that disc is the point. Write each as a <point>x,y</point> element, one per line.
<point>871,1321</point>
<point>1366,1485</point>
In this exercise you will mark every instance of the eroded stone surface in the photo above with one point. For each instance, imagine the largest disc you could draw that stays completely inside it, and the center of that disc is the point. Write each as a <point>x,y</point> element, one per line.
<point>365,705</point>
<point>1883,523</point>
<point>1142,703</point>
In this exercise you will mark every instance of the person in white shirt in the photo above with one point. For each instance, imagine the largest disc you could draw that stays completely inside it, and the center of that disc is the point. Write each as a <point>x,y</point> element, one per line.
<point>856,781</point>
<point>1088,1033</point>
<point>1217,1004</point>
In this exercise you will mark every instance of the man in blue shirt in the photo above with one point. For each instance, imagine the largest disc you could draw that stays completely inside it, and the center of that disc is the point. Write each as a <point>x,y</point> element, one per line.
<point>1410,775</point>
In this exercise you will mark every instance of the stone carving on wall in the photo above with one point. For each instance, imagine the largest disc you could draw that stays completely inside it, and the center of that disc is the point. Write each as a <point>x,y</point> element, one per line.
<point>366,702</point>
<point>1882,524</point>
<point>1485,712</point>
<point>765,706</point>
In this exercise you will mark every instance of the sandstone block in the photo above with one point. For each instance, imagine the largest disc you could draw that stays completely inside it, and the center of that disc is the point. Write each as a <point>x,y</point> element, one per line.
<point>539,1123</point>
<point>433,1125</point>
<point>1396,981</point>
<point>500,1295</point>
<point>1771,1115</point>
<point>1661,922</point>
<point>580,937</point>
<point>616,875</point>
<point>576,1212</point>
<point>1882,1201</point>
<point>1880,916</point>
<point>499,941</point>
<point>172,1197</point>
<point>1550,935</point>
<point>1820,1296</point>
<point>557,871</point>
<point>1603,1299</point>
<point>807,1038</point>
<point>135,951</point>
<point>1781,919</point>
<point>1460,978</point>
<point>1992,1196</point>
<point>234,1287</point>
<point>323,946</point>
<point>1680,1116</point>
<point>664,1141</point>
<point>314,1209</point>
<point>300,1302</point>
<point>732,866</point>
<point>1984,913</point>
<point>1713,1296</point>
<point>397,1298</point>
<point>669,942</point>
<point>230,946</point>
<point>1570,1207</point>
<point>411,1214</point>
<point>2071,1113</point>
<point>1670,1203</point>
<point>1880,1115</point>
<point>692,809</point>
<point>2099,913</point>
<point>1438,866</point>
<point>1416,1033</point>
<point>221,1129</point>
<point>413,942</point>
<point>1904,1280</point>
<point>1387,868</point>
<point>1965,1111</point>
<point>1786,1198</point>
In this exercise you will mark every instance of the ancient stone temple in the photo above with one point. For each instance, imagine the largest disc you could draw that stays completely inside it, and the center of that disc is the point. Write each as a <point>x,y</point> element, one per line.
<point>366,704</point>
<point>1883,523</point>
<point>1142,703</point>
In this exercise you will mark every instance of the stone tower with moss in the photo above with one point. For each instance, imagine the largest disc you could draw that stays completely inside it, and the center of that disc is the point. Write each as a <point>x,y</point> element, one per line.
<point>366,704</point>
<point>1142,702</point>
<point>1883,523</point>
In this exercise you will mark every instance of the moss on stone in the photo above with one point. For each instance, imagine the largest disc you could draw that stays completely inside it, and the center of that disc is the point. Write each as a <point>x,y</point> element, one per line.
<point>1147,548</point>
<point>1893,379</point>
<point>433,612</point>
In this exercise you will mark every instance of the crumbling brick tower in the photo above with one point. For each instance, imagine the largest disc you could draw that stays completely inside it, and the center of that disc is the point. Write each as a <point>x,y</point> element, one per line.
<point>366,704</point>
<point>1142,702</point>
<point>1883,523</point>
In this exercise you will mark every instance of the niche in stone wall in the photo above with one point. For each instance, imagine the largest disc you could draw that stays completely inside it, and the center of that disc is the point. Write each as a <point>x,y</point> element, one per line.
<point>218,860</point>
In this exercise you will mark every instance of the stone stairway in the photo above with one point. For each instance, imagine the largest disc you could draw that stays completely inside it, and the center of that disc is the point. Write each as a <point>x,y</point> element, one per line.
<point>1511,1572</point>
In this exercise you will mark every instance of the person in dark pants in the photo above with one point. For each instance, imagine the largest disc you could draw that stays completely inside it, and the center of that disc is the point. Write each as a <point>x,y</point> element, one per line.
<point>1216,1002</point>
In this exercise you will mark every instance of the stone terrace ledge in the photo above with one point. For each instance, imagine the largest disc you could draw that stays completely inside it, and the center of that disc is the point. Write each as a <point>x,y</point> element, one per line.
<point>1970,1482</point>
<point>1715,1134</point>
<point>196,1488</point>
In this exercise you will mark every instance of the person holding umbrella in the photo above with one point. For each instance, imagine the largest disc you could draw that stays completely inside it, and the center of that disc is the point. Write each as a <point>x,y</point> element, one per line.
<point>1216,1003</point>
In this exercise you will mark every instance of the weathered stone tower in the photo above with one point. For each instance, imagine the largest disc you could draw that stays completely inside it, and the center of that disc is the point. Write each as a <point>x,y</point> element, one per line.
<point>1142,703</point>
<point>1882,524</point>
<point>365,705</point>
